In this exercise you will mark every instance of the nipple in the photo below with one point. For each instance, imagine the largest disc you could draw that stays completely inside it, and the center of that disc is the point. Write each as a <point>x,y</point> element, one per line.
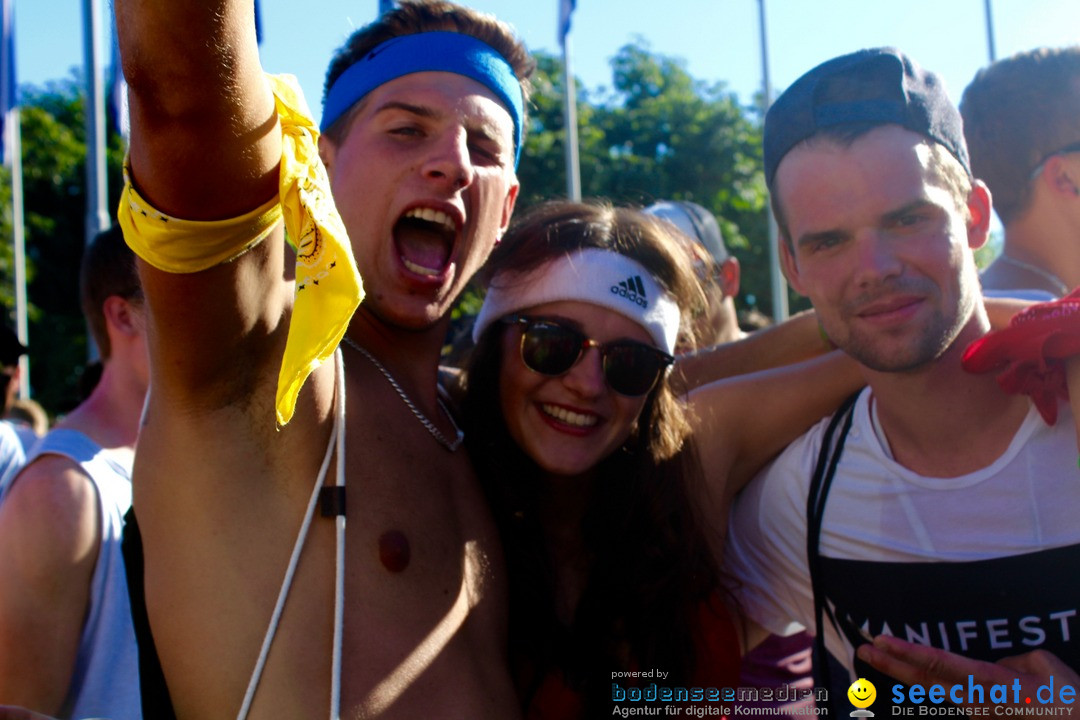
<point>394,550</point>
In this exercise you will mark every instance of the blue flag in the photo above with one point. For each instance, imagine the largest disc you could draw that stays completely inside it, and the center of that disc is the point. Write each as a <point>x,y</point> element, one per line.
<point>7,77</point>
<point>258,24</point>
<point>566,9</point>
<point>385,6</point>
<point>118,95</point>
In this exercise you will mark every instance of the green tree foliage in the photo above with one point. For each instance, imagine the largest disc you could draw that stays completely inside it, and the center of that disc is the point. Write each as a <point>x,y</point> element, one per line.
<point>657,133</point>
<point>54,201</point>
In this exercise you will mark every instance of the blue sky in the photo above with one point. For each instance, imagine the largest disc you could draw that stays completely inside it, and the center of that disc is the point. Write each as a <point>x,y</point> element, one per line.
<point>719,39</point>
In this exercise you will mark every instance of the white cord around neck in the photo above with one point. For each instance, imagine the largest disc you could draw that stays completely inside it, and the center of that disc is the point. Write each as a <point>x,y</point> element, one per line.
<point>337,441</point>
<point>339,569</point>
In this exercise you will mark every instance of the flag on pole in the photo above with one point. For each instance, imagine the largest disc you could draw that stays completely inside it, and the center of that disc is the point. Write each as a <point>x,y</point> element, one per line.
<point>566,9</point>
<point>258,24</point>
<point>7,79</point>
<point>118,93</point>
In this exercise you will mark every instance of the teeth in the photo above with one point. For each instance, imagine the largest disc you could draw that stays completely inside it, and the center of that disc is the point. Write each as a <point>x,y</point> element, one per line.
<point>433,216</point>
<point>570,418</point>
<point>419,269</point>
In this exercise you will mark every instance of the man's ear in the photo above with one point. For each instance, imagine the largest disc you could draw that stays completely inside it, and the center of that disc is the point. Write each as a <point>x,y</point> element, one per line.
<point>120,316</point>
<point>730,275</point>
<point>508,206</point>
<point>327,153</point>
<point>789,265</point>
<point>1061,176</point>
<point>979,205</point>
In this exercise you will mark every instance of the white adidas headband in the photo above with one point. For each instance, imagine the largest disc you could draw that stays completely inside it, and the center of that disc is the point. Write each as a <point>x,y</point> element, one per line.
<point>599,277</point>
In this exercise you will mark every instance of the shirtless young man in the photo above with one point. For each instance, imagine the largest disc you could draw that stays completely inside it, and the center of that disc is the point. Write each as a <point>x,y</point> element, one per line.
<point>221,487</point>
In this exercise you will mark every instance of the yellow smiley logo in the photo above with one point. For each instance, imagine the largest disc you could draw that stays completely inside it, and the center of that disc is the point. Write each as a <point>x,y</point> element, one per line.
<point>862,693</point>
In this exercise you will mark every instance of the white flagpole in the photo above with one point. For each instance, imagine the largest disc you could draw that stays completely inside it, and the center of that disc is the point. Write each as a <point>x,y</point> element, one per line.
<point>573,169</point>
<point>990,32</point>
<point>14,144</point>
<point>779,285</point>
<point>97,216</point>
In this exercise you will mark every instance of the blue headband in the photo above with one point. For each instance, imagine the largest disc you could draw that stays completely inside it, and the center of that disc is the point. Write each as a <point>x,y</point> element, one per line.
<point>452,52</point>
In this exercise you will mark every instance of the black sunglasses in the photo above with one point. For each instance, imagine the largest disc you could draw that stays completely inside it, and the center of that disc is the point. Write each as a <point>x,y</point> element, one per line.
<point>550,348</point>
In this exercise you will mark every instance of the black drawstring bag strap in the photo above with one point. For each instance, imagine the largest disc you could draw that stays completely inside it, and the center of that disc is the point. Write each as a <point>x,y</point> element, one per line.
<point>832,447</point>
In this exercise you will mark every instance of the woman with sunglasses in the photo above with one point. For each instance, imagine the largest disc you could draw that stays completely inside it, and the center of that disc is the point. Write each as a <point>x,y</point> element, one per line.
<point>610,527</point>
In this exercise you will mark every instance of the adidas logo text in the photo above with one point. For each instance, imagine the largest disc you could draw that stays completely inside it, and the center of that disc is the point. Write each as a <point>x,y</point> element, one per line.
<point>631,289</point>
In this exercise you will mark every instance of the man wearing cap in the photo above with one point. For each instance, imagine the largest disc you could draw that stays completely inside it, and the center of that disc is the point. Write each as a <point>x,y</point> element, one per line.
<point>1020,120</point>
<point>715,266</point>
<point>314,540</point>
<point>933,507</point>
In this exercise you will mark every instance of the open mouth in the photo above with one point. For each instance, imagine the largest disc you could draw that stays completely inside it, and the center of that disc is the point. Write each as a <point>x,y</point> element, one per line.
<point>568,417</point>
<point>425,241</point>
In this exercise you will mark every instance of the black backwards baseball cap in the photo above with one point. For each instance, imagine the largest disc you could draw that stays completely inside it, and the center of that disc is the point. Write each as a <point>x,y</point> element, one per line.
<point>881,86</point>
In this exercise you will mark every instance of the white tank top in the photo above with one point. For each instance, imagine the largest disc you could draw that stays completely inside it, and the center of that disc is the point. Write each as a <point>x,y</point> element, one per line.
<point>105,683</point>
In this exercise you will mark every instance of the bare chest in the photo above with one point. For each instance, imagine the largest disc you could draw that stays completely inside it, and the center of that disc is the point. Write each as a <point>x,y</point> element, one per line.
<point>424,599</point>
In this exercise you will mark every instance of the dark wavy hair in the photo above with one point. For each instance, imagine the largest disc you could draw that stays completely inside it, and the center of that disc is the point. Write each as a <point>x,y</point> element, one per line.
<point>650,566</point>
<point>417,16</point>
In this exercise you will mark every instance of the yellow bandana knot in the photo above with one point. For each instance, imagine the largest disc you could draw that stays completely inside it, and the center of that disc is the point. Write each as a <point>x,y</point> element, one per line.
<point>328,286</point>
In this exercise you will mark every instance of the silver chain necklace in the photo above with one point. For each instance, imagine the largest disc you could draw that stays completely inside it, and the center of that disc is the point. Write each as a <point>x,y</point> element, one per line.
<point>450,445</point>
<point>1058,283</point>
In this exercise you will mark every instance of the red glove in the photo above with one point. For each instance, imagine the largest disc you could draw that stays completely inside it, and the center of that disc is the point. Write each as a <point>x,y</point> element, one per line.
<point>1029,355</point>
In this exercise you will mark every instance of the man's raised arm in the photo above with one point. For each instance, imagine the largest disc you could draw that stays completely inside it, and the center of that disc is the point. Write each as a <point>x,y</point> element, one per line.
<point>205,146</point>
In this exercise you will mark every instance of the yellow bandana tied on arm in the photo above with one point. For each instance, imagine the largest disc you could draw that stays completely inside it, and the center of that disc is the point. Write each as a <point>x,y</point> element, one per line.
<point>328,286</point>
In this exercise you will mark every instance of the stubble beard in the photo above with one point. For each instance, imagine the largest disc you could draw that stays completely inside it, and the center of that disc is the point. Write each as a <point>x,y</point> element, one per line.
<point>928,344</point>
<point>881,355</point>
